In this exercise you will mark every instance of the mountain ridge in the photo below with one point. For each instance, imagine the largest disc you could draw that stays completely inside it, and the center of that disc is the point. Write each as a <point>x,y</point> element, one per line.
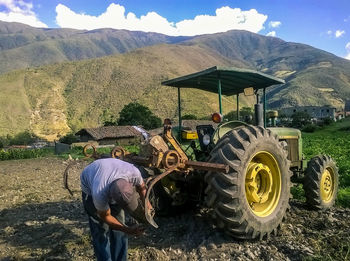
<point>64,95</point>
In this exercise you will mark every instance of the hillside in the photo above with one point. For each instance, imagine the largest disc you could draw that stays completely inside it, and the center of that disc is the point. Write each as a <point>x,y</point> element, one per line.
<point>313,76</point>
<point>22,46</point>
<point>57,98</point>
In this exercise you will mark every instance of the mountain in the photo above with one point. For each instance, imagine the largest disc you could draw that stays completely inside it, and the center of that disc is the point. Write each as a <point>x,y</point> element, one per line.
<point>54,99</point>
<point>313,76</point>
<point>22,46</point>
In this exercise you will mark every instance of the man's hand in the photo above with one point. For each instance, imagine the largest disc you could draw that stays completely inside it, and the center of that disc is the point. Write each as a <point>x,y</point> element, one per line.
<point>135,230</point>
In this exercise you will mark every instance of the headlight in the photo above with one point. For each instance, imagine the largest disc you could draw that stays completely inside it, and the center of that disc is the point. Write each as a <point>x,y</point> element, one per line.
<point>206,139</point>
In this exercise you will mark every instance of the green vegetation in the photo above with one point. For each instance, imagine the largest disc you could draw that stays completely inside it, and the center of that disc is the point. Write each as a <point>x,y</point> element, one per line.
<point>77,152</point>
<point>139,115</point>
<point>245,113</point>
<point>189,117</point>
<point>300,119</point>
<point>69,138</point>
<point>12,154</point>
<point>333,140</point>
<point>21,138</point>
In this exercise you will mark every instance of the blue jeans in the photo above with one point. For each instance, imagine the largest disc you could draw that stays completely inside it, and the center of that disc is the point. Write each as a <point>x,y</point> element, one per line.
<point>109,245</point>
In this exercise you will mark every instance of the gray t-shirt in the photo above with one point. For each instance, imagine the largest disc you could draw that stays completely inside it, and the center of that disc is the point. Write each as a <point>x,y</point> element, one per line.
<point>99,175</point>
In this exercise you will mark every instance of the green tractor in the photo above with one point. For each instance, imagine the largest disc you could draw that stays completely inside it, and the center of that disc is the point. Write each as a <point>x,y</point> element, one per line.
<point>243,172</point>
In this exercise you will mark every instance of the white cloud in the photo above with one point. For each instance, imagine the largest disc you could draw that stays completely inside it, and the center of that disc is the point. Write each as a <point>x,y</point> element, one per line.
<point>19,11</point>
<point>329,32</point>
<point>339,33</point>
<point>347,47</point>
<point>275,24</point>
<point>272,33</point>
<point>225,19</point>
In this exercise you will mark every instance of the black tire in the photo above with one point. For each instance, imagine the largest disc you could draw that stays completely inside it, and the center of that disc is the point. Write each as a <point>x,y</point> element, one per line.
<point>321,182</point>
<point>163,203</point>
<point>226,193</point>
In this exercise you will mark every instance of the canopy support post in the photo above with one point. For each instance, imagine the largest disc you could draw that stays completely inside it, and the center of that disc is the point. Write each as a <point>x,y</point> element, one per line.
<point>237,96</point>
<point>264,100</point>
<point>219,91</point>
<point>180,120</point>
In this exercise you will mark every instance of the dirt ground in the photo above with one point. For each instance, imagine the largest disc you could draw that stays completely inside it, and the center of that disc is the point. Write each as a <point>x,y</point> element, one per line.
<point>39,220</point>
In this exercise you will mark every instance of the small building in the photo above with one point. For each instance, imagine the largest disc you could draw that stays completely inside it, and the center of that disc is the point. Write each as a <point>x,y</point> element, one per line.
<point>316,112</point>
<point>122,135</point>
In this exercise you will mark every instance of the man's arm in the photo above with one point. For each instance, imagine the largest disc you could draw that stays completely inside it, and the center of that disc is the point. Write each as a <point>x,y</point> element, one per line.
<point>141,189</point>
<point>114,223</point>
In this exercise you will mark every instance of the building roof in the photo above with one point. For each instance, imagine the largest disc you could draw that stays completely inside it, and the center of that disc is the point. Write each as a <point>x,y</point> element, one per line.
<point>110,132</point>
<point>233,80</point>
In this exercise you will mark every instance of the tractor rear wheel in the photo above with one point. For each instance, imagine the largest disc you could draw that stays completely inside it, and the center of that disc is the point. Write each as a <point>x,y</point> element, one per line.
<point>251,200</point>
<point>321,182</point>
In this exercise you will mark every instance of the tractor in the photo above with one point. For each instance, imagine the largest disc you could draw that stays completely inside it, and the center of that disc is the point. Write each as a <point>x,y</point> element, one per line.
<point>243,172</point>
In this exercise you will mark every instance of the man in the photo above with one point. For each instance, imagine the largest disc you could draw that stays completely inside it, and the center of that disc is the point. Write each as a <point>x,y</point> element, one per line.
<point>108,188</point>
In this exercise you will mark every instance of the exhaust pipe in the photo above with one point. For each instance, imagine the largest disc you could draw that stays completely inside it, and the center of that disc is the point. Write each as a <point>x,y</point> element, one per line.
<point>258,113</point>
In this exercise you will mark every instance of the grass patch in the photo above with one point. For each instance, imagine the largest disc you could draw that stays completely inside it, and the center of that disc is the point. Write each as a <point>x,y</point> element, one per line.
<point>298,192</point>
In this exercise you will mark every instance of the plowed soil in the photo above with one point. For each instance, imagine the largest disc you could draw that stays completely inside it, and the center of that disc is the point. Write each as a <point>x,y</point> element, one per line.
<point>39,220</point>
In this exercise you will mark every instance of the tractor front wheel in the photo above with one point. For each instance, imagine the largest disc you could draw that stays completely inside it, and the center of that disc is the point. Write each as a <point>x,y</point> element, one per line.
<point>321,182</point>
<point>251,200</point>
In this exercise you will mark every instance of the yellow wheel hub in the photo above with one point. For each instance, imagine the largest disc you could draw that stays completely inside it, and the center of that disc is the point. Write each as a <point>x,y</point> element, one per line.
<point>327,185</point>
<point>263,184</point>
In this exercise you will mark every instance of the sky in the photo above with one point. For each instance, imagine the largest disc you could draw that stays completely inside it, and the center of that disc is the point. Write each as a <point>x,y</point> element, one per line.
<point>324,24</point>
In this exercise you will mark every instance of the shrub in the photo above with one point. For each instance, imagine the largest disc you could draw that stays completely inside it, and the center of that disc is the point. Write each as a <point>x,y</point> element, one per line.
<point>22,138</point>
<point>300,119</point>
<point>68,139</point>
<point>189,117</point>
<point>309,128</point>
<point>327,121</point>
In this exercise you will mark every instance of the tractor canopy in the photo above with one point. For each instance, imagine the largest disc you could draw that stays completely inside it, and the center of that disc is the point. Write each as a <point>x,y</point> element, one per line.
<point>225,80</point>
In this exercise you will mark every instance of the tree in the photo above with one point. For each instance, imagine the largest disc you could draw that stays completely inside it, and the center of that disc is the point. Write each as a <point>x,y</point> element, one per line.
<point>137,114</point>
<point>244,114</point>
<point>300,119</point>
<point>108,118</point>
<point>231,116</point>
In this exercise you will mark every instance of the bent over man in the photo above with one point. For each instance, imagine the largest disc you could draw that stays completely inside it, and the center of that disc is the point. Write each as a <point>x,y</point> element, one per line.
<point>108,188</point>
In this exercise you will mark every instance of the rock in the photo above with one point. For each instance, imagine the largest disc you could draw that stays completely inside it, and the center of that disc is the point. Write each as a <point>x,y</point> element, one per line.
<point>250,254</point>
<point>9,230</point>
<point>212,246</point>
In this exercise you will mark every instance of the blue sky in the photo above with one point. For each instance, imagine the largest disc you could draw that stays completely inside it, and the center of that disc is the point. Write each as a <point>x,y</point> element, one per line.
<point>324,24</point>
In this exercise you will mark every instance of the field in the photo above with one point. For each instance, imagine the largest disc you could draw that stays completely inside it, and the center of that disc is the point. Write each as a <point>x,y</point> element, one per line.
<point>39,220</point>
<point>333,140</point>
